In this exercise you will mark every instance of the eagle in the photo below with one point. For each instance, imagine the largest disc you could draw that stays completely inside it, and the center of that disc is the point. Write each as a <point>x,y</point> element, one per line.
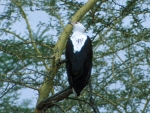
<point>78,58</point>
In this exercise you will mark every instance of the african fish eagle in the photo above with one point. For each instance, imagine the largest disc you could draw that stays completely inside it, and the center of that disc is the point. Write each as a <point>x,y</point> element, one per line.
<point>79,58</point>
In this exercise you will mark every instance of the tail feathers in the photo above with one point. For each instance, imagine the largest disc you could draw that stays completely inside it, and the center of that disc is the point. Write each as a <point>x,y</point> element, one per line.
<point>74,92</point>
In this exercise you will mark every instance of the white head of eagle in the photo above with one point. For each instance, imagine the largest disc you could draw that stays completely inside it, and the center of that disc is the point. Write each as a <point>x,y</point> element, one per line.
<point>79,58</point>
<point>77,26</point>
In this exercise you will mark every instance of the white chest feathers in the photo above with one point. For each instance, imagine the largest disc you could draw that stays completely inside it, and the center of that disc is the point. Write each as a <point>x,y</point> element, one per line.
<point>78,40</point>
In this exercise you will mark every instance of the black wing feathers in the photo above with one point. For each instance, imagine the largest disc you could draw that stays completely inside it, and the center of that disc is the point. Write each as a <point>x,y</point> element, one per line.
<point>79,65</point>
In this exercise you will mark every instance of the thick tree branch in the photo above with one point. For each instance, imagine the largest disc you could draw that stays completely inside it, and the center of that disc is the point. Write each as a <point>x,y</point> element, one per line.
<point>51,101</point>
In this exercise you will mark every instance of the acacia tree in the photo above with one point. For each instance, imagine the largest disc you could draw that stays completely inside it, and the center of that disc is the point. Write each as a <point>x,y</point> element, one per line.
<point>31,54</point>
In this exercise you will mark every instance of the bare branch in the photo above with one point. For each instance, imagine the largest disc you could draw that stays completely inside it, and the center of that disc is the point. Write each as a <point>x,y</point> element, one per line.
<point>51,101</point>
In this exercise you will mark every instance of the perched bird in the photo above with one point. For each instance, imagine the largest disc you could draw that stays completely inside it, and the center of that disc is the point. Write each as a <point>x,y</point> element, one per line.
<point>79,58</point>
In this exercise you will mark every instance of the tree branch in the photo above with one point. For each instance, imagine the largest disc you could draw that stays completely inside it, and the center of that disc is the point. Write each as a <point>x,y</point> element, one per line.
<point>51,101</point>
<point>30,31</point>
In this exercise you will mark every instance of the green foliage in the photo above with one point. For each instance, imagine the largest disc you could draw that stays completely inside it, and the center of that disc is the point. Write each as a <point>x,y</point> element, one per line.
<point>120,32</point>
